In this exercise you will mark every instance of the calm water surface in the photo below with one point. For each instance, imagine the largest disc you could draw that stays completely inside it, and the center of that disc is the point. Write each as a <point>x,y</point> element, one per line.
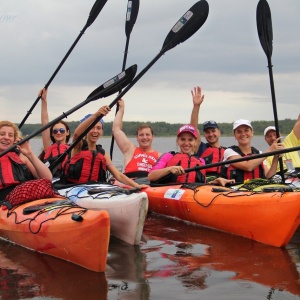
<point>175,260</point>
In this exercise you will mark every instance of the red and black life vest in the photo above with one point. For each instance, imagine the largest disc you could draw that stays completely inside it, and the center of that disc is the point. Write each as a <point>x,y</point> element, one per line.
<point>13,170</point>
<point>213,155</point>
<point>87,166</point>
<point>187,161</point>
<point>141,163</point>
<point>52,153</point>
<point>240,175</point>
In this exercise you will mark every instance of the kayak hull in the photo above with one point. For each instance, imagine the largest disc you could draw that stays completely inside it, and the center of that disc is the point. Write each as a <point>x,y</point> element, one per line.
<point>84,242</point>
<point>127,212</point>
<point>269,218</point>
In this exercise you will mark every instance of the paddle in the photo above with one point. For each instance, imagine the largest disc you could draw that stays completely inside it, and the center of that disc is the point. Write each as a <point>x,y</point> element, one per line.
<point>97,7</point>
<point>260,155</point>
<point>265,34</point>
<point>187,25</point>
<point>131,16</point>
<point>108,88</point>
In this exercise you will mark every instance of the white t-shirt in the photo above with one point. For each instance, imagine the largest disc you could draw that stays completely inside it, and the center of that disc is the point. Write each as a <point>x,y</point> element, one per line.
<point>230,152</point>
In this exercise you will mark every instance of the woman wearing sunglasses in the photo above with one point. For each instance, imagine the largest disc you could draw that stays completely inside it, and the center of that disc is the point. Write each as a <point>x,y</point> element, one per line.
<point>89,162</point>
<point>55,139</point>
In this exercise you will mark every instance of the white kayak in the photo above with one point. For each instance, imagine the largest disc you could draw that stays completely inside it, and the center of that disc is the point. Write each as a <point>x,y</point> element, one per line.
<point>127,211</point>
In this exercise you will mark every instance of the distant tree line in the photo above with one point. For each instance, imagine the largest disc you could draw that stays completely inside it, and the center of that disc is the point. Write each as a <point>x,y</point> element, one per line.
<point>168,129</point>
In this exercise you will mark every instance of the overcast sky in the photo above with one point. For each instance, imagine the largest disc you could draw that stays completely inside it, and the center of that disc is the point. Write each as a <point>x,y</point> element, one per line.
<point>224,57</point>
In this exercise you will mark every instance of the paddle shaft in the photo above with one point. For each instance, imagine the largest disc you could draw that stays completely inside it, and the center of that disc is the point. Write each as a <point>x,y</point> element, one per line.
<point>182,33</point>
<point>169,44</point>
<point>117,107</point>
<point>35,133</point>
<point>131,16</point>
<point>93,15</point>
<point>227,162</point>
<point>275,111</point>
<point>51,78</point>
<point>106,89</point>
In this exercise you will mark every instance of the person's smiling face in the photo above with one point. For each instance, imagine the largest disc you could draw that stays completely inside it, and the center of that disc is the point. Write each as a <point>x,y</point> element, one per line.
<point>243,134</point>
<point>7,137</point>
<point>186,142</point>
<point>95,133</point>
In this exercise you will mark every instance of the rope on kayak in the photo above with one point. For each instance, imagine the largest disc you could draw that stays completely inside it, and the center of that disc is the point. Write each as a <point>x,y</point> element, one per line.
<point>62,210</point>
<point>245,190</point>
<point>98,193</point>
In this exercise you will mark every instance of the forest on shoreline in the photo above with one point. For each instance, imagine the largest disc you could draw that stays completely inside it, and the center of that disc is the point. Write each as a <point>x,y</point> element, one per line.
<point>170,129</point>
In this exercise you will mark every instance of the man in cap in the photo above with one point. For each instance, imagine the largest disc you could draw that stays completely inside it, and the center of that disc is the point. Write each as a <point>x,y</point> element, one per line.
<point>291,160</point>
<point>212,151</point>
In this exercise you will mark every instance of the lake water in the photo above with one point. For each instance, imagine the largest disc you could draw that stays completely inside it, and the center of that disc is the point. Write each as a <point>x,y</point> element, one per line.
<point>174,260</point>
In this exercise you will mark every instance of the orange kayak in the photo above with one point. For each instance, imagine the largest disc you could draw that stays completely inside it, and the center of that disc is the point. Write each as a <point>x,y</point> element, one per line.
<point>53,227</point>
<point>269,217</point>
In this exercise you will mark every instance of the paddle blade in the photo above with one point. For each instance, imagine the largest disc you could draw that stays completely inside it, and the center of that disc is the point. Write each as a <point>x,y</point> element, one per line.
<point>97,7</point>
<point>187,25</point>
<point>131,15</point>
<point>113,85</point>
<point>264,26</point>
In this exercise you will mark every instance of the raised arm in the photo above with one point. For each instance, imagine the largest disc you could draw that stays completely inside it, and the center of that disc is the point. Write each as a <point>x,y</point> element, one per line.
<point>197,101</point>
<point>104,110</point>
<point>123,142</point>
<point>45,118</point>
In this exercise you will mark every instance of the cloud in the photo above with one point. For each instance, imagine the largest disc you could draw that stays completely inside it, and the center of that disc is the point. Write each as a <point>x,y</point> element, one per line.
<point>224,57</point>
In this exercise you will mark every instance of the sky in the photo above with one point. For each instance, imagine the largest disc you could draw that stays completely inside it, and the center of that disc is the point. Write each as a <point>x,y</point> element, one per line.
<point>224,57</point>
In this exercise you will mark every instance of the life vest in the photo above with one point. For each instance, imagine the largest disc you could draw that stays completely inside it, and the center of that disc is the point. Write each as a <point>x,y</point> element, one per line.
<point>213,155</point>
<point>241,175</point>
<point>86,166</point>
<point>141,161</point>
<point>13,170</point>
<point>187,161</point>
<point>53,152</point>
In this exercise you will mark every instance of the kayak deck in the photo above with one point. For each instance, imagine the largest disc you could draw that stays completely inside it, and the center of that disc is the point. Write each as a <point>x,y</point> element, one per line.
<point>71,233</point>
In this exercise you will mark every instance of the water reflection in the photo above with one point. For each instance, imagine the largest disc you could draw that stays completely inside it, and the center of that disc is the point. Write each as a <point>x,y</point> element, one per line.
<point>173,261</point>
<point>194,255</point>
<point>126,266</point>
<point>26,274</point>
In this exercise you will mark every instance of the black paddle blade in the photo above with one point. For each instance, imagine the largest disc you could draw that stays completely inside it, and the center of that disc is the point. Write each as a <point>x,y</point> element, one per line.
<point>97,7</point>
<point>264,26</point>
<point>131,15</point>
<point>187,25</point>
<point>113,85</point>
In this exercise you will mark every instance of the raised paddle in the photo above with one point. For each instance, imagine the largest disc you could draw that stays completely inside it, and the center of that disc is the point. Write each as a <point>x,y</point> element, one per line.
<point>97,7</point>
<point>131,16</point>
<point>187,25</point>
<point>265,34</point>
<point>108,88</point>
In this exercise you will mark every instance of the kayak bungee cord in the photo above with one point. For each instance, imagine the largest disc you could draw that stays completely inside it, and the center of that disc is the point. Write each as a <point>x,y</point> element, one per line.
<point>62,210</point>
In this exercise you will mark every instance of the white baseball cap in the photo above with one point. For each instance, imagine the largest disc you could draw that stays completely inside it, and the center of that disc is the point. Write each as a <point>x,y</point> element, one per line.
<point>268,129</point>
<point>240,122</point>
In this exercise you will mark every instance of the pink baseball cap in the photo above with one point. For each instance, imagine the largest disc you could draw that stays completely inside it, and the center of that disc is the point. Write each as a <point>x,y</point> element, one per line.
<point>188,128</point>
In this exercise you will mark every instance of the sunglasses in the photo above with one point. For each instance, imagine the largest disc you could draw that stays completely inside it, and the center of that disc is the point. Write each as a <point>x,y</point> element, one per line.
<point>209,122</point>
<point>61,130</point>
